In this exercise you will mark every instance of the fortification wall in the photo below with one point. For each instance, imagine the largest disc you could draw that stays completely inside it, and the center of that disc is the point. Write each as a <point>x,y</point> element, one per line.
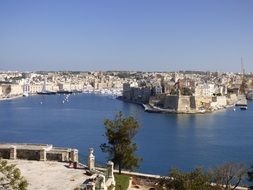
<point>203,101</point>
<point>192,102</point>
<point>170,102</point>
<point>184,104</point>
<point>220,100</point>
<point>232,99</point>
<point>179,103</point>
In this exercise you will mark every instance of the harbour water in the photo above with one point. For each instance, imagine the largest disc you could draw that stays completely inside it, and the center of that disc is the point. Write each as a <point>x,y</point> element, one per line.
<point>164,140</point>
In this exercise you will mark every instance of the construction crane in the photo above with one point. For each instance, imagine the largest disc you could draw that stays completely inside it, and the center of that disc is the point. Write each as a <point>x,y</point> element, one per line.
<point>243,79</point>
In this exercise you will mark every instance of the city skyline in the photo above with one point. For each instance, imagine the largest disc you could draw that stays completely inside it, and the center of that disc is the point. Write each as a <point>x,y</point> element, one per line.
<point>112,35</point>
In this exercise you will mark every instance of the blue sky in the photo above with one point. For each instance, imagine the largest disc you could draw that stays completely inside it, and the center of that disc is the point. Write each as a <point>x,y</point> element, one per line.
<point>157,35</point>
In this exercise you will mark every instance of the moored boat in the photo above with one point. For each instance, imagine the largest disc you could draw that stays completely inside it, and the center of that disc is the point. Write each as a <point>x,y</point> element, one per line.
<point>46,93</point>
<point>243,107</point>
<point>64,92</point>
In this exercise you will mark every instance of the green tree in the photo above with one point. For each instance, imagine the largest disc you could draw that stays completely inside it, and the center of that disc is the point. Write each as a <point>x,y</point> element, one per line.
<point>186,91</point>
<point>120,147</point>
<point>225,177</point>
<point>197,179</point>
<point>250,176</point>
<point>229,175</point>
<point>10,177</point>
<point>173,91</point>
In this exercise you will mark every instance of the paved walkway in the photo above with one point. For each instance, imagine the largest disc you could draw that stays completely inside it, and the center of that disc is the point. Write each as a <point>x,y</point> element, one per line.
<point>50,175</point>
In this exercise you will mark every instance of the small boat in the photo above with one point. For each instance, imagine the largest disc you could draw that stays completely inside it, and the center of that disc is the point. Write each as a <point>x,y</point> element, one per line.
<point>64,92</point>
<point>46,93</point>
<point>243,107</point>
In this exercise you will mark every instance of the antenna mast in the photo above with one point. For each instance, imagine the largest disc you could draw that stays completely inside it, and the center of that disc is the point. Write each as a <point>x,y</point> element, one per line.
<point>243,85</point>
<point>242,67</point>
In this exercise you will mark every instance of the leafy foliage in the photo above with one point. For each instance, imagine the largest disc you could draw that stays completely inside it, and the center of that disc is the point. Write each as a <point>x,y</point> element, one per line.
<point>122,182</point>
<point>229,175</point>
<point>120,147</point>
<point>10,177</point>
<point>186,91</point>
<point>173,91</point>
<point>224,177</point>
<point>178,180</point>
<point>250,176</point>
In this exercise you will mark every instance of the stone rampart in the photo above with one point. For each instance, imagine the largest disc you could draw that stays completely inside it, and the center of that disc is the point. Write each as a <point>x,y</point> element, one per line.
<point>170,102</point>
<point>186,103</point>
<point>179,103</point>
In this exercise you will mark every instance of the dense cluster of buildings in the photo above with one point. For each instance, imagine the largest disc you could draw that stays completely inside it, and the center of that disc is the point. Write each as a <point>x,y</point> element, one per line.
<point>186,92</point>
<point>13,84</point>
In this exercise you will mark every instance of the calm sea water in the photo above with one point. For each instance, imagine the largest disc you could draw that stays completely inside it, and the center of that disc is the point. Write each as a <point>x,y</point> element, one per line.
<point>164,141</point>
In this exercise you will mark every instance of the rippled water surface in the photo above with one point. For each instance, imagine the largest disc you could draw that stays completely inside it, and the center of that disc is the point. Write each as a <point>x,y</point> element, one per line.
<point>164,141</point>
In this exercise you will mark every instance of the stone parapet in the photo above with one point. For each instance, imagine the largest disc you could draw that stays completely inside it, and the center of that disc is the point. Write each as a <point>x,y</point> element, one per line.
<point>41,152</point>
